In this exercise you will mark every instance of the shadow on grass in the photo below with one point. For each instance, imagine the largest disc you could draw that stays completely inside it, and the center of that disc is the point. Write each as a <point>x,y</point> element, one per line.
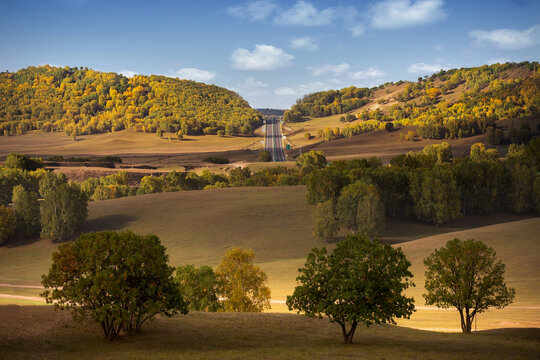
<point>109,222</point>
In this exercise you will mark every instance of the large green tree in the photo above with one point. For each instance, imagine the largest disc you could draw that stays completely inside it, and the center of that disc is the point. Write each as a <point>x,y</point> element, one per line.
<point>200,287</point>
<point>26,207</point>
<point>120,280</point>
<point>359,282</point>
<point>243,283</point>
<point>466,275</point>
<point>310,161</point>
<point>63,211</point>
<point>325,221</point>
<point>7,223</point>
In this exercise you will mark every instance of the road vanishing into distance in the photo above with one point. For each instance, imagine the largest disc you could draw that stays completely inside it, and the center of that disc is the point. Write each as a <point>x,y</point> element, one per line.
<point>273,140</point>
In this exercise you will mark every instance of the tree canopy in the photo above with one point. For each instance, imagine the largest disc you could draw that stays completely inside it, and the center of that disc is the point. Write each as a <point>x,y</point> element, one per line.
<point>466,275</point>
<point>120,280</point>
<point>359,282</point>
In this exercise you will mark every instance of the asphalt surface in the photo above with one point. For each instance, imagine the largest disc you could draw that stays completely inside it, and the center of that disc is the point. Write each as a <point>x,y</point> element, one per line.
<point>273,140</point>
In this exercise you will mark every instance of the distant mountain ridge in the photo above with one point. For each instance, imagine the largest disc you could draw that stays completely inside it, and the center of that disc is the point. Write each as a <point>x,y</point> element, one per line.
<point>84,101</point>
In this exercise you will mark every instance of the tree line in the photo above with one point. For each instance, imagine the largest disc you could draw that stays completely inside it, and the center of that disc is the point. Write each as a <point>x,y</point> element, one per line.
<point>84,101</point>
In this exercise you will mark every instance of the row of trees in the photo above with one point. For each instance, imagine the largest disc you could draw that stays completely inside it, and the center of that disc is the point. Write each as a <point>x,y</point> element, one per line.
<point>428,185</point>
<point>55,209</point>
<point>363,281</point>
<point>82,101</point>
<point>122,280</point>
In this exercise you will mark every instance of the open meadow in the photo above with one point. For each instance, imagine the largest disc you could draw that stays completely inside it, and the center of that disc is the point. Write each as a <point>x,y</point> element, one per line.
<point>276,223</point>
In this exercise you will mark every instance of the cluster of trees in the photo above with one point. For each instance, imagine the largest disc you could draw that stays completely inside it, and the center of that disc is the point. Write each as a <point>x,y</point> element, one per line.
<point>42,203</point>
<point>429,185</point>
<point>363,281</point>
<point>327,103</point>
<point>488,97</point>
<point>122,280</point>
<point>82,101</point>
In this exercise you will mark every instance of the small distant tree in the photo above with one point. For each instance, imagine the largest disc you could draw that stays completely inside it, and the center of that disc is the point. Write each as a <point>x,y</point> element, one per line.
<point>307,136</point>
<point>7,223</point>
<point>310,161</point>
<point>325,221</point>
<point>389,126</point>
<point>221,133</point>
<point>359,282</point>
<point>63,212</point>
<point>264,156</point>
<point>26,208</point>
<point>179,135</point>
<point>23,162</point>
<point>243,283</point>
<point>466,275</point>
<point>200,287</point>
<point>120,280</point>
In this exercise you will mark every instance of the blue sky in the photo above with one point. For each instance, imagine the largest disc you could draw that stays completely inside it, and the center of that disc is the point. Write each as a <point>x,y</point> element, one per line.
<point>271,52</point>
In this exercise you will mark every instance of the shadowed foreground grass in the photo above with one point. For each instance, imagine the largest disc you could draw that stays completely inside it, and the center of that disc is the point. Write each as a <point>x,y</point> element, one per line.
<point>244,335</point>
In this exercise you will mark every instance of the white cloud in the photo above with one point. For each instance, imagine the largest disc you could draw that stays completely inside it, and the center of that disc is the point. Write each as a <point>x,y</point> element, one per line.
<point>303,89</point>
<point>423,68</point>
<point>195,74</point>
<point>357,30</point>
<point>335,70</point>
<point>393,14</point>
<point>507,39</point>
<point>128,73</point>
<point>304,13</point>
<point>264,57</point>
<point>370,73</point>
<point>251,82</point>
<point>254,11</point>
<point>498,61</point>
<point>304,43</point>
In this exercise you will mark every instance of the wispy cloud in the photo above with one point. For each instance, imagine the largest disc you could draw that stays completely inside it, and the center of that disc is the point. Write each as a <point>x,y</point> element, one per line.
<point>304,13</point>
<point>507,39</point>
<point>325,69</point>
<point>393,14</point>
<point>253,11</point>
<point>370,73</point>
<point>194,74</point>
<point>302,89</point>
<point>304,43</point>
<point>423,68</point>
<point>263,57</point>
<point>251,83</point>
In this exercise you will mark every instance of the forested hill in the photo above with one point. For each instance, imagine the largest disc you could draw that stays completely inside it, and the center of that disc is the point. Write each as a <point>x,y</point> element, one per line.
<point>84,101</point>
<point>447,104</point>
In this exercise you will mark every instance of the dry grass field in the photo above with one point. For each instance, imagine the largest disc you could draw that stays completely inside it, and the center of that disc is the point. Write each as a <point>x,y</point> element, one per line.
<point>40,333</point>
<point>199,226</point>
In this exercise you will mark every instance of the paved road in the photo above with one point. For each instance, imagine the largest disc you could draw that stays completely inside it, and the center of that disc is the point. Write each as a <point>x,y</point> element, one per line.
<point>273,140</point>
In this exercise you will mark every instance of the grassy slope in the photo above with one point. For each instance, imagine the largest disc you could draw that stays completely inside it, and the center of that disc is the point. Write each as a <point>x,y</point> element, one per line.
<point>257,336</point>
<point>199,226</point>
<point>120,143</point>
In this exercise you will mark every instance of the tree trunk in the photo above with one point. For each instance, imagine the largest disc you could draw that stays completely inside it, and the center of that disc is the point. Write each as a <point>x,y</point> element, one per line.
<point>348,336</point>
<point>463,326</point>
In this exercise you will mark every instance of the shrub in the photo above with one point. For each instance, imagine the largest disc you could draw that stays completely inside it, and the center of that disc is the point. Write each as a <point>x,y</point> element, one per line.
<point>216,159</point>
<point>264,156</point>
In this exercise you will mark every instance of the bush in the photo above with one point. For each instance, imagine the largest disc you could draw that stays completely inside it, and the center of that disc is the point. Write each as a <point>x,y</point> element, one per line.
<point>200,287</point>
<point>264,156</point>
<point>216,159</point>
<point>7,223</point>
<point>120,280</point>
<point>23,162</point>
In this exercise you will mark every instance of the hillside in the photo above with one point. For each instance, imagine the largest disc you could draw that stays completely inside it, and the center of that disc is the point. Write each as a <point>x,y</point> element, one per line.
<point>450,104</point>
<point>276,223</point>
<point>245,336</point>
<point>83,101</point>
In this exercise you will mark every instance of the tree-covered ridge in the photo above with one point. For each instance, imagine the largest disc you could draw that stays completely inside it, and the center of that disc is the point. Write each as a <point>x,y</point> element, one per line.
<point>84,101</point>
<point>489,93</point>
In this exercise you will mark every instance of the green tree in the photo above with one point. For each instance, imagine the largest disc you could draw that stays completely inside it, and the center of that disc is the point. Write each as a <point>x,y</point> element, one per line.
<point>325,221</point>
<point>359,282</point>
<point>23,162</point>
<point>441,153</point>
<point>264,156</point>
<point>200,287</point>
<point>120,280</point>
<point>479,153</point>
<point>370,214</point>
<point>26,208</point>
<point>466,275</point>
<point>63,211</point>
<point>323,185</point>
<point>243,284</point>
<point>310,161</point>
<point>520,193</point>
<point>7,223</point>
<point>51,181</point>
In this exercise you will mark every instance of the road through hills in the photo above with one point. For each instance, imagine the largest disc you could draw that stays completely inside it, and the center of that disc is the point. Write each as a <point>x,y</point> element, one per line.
<point>273,140</point>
